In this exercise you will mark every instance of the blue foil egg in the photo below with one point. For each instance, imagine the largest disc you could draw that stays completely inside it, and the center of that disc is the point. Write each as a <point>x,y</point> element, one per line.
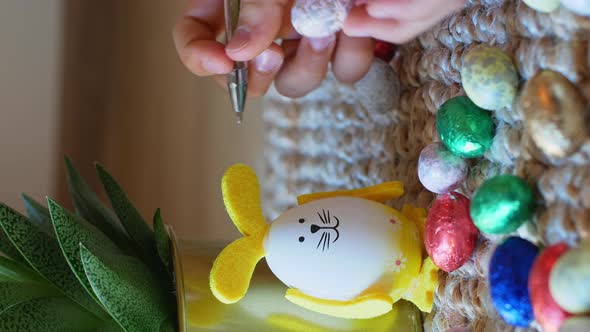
<point>509,273</point>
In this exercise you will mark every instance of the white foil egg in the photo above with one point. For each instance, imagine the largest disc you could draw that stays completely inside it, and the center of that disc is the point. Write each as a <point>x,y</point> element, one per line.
<point>319,18</point>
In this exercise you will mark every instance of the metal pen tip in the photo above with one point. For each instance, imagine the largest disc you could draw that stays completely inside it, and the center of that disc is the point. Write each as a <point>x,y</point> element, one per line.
<point>240,117</point>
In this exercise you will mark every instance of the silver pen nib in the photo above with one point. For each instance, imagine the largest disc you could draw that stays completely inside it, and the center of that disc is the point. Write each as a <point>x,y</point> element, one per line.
<point>240,117</point>
<point>238,86</point>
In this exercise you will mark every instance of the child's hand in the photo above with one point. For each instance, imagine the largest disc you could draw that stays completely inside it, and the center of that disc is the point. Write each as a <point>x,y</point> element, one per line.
<point>298,66</point>
<point>397,21</point>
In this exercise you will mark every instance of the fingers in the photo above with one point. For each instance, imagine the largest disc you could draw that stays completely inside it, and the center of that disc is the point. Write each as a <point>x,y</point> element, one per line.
<point>259,24</point>
<point>263,70</point>
<point>304,70</point>
<point>194,38</point>
<point>352,58</point>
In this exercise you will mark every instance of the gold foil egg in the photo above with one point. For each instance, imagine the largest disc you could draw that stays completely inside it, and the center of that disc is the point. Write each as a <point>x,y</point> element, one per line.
<point>489,77</point>
<point>544,6</point>
<point>554,113</point>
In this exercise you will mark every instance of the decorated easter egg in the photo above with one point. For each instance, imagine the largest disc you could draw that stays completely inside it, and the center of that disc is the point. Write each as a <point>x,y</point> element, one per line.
<point>450,236</point>
<point>439,170</point>
<point>464,128</point>
<point>544,6</point>
<point>509,272</point>
<point>576,324</point>
<point>319,18</point>
<point>489,77</point>
<point>555,113</point>
<point>570,280</point>
<point>379,90</point>
<point>501,204</point>
<point>337,248</point>
<point>547,312</point>
<point>580,7</point>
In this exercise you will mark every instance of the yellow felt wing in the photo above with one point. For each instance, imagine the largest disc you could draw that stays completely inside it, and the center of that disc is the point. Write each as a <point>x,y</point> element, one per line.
<point>421,292</point>
<point>380,193</point>
<point>286,322</point>
<point>241,196</point>
<point>366,306</point>
<point>232,270</point>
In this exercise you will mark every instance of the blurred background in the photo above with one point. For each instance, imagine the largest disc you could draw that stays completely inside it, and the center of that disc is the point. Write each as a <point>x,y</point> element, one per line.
<point>101,81</point>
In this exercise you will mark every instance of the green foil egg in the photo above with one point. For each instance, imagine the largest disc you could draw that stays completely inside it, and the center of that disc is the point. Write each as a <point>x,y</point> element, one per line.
<point>502,204</point>
<point>465,129</point>
<point>489,77</point>
<point>570,278</point>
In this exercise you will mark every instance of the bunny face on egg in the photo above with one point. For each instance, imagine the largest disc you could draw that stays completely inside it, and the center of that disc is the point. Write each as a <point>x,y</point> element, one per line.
<point>331,248</point>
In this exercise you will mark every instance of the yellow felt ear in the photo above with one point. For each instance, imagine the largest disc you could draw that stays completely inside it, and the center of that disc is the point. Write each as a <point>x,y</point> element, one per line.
<point>363,307</point>
<point>241,196</point>
<point>233,268</point>
<point>379,193</point>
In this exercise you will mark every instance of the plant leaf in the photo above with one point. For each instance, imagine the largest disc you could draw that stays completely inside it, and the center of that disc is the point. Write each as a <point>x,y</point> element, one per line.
<point>38,214</point>
<point>132,221</point>
<point>92,209</point>
<point>162,240</point>
<point>128,290</point>
<point>44,255</point>
<point>12,293</point>
<point>13,271</point>
<point>168,326</point>
<point>8,249</point>
<point>47,314</point>
<point>71,231</point>
<point>111,326</point>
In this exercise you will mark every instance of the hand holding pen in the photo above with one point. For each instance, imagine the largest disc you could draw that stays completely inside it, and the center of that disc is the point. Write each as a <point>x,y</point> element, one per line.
<point>298,65</point>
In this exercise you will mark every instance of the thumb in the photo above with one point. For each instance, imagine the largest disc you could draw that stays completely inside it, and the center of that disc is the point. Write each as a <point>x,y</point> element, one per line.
<point>258,26</point>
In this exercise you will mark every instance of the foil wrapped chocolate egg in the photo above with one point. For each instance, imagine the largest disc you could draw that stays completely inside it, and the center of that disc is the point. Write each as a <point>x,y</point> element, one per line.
<point>319,18</point>
<point>489,77</point>
<point>379,90</point>
<point>544,6</point>
<point>580,7</point>
<point>554,112</point>
<point>576,324</point>
<point>547,312</point>
<point>569,281</point>
<point>450,236</point>
<point>501,204</point>
<point>439,170</point>
<point>509,269</point>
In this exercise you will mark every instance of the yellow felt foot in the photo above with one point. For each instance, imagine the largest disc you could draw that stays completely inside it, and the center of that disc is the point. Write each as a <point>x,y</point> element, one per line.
<point>421,293</point>
<point>378,193</point>
<point>363,307</point>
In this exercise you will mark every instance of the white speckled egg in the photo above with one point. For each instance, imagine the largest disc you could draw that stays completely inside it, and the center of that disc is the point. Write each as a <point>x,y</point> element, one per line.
<point>489,77</point>
<point>544,6</point>
<point>379,90</point>
<point>319,18</point>
<point>439,170</point>
<point>580,7</point>
<point>570,278</point>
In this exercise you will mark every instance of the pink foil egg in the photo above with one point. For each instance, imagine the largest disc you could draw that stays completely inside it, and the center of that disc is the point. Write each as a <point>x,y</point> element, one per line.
<point>450,236</point>
<point>439,170</point>
<point>319,18</point>
<point>547,312</point>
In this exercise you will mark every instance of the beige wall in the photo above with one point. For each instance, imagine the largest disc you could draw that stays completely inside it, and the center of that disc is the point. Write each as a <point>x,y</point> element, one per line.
<point>30,65</point>
<point>128,103</point>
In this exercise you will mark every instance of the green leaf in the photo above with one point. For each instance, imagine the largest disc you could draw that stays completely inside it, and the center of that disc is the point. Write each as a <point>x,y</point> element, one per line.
<point>8,249</point>
<point>132,221</point>
<point>110,326</point>
<point>43,254</point>
<point>92,209</point>
<point>12,293</point>
<point>38,214</point>
<point>168,326</point>
<point>162,240</point>
<point>47,314</point>
<point>71,231</point>
<point>128,290</point>
<point>13,271</point>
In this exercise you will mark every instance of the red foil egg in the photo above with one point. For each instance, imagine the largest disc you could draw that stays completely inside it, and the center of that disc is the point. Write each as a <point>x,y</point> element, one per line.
<point>450,236</point>
<point>384,50</point>
<point>547,312</point>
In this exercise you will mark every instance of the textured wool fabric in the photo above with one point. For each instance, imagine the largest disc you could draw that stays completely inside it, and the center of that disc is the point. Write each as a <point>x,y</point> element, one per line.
<point>328,141</point>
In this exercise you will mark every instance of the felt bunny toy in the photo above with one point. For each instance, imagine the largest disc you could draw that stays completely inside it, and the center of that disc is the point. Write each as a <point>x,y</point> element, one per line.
<point>343,253</point>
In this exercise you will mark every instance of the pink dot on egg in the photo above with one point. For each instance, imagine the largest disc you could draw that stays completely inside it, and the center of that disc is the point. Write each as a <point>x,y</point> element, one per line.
<point>392,221</point>
<point>398,262</point>
<point>319,18</point>
<point>439,170</point>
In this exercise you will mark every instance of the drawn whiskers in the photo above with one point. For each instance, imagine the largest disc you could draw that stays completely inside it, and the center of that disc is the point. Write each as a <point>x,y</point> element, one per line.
<point>324,241</point>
